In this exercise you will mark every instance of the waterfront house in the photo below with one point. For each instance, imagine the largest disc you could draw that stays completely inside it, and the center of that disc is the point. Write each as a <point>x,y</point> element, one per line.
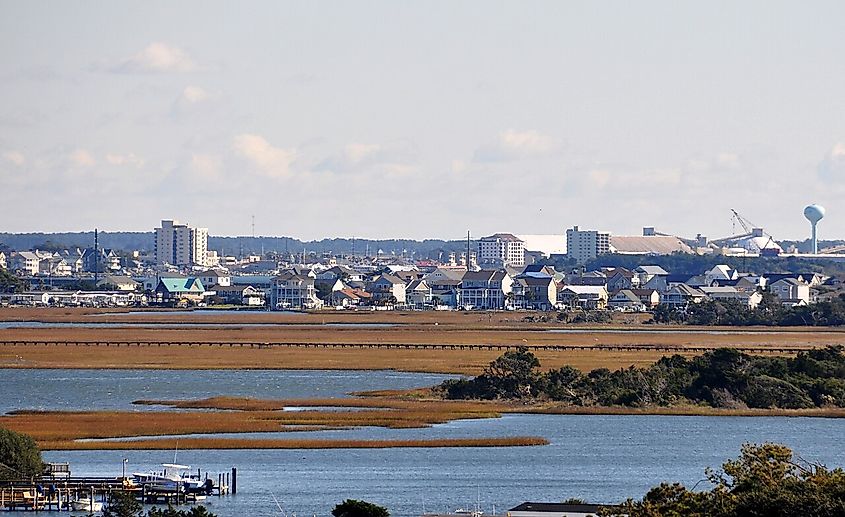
<point>419,294</point>
<point>239,295</point>
<point>388,289</point>
<point>750,300</point>
<point>291,290</point>
<point>583,296</point>
<point>485,289</point>
<point>620,278</point>
<point>680,296</point>
<point>175,290</point>
<point>626,300</point>
<point>534,291</point>
<point>215,277</point>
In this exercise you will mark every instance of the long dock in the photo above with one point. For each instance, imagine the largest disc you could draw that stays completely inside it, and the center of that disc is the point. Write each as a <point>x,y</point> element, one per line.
<point>759,349</point>
<point>48,494</point>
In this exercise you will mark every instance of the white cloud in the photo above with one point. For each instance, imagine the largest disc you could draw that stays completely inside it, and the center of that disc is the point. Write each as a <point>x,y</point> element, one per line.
<point>125,159</point>
<point>391,159</point>
<point>82,158</point>
<point>356,153</point>
<point>513,145</point>
<point>157,57</point>
<point>270,160</point>
<point>832,167</point>
<point>14,157</point>
<point>194,94</point>
<point>728,160</point>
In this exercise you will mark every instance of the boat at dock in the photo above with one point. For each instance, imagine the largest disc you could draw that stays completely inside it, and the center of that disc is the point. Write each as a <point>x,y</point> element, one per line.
<point>174,478</point>
<point>86,504</point>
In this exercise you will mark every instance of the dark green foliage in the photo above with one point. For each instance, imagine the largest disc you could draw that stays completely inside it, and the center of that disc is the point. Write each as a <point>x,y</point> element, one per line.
<point>9,283</point>
<point>356,508</point>
<point>195,511</point>
<point>122,504</point>
<point>20,457</point>
<point>724,378</point>
<point>764,481</point>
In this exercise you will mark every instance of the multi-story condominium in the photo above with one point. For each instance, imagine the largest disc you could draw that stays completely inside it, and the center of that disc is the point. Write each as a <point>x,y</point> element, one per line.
<point>178,244</point>
<point>501,249</point>
<point>584,245</point>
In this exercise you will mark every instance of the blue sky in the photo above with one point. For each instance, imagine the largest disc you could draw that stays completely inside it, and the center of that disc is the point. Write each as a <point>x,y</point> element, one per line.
<point>424,119</point>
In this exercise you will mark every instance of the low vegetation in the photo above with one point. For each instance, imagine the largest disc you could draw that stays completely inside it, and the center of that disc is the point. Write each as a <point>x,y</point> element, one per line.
<point>766,480</point>
<point>723,378</point>
<point>64,430</point>
<point>770,312</point>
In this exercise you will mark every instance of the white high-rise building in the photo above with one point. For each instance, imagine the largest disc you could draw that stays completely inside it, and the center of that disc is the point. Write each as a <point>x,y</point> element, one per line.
<point>584,245</point>
<point>178,244</point>
<point>501,249</point>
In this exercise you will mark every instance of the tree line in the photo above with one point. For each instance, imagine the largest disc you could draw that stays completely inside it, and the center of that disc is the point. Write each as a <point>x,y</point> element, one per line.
<point>769,312</point>
<point>722,378</point>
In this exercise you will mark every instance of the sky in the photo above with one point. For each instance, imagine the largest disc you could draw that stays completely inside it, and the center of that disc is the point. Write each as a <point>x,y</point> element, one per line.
<point>384,119</point>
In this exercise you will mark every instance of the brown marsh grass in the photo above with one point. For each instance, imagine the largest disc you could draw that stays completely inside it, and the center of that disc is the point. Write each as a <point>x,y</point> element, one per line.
<point>233,443</point>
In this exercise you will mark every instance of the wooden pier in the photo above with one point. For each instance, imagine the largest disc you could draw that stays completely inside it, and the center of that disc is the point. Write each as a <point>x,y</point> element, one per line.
<point>58,495</point>
<point>757,349</point>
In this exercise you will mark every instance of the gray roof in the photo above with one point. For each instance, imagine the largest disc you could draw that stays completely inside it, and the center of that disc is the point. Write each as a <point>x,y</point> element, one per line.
<point>652,270</point>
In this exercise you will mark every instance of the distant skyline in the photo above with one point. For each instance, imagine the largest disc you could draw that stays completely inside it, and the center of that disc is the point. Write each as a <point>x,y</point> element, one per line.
<point>381,119</point>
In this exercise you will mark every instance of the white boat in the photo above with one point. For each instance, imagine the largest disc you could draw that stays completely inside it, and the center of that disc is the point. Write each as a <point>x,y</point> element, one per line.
<point>470,513</point>
<point>86,504</point>
<point>174,478</point>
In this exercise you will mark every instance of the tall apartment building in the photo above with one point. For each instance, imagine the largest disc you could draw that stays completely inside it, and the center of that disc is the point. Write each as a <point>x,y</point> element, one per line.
<point>178,244</point>
<point>584,245</point>
<point>501,249</point>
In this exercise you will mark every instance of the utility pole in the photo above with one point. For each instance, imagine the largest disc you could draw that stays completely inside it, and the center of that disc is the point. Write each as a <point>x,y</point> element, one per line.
<point>467,250</point>
<point>96,258</point>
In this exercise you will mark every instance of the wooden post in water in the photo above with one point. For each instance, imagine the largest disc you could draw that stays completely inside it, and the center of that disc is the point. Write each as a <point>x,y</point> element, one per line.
<point>234,480</point>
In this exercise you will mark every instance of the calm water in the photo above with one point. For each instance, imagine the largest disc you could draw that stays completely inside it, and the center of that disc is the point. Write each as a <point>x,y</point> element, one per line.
<point>186,324</point>
<point>116,389</point>
<point>598,458</point>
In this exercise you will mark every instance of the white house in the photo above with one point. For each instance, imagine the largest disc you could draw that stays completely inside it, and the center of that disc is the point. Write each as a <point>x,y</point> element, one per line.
<point>419,294</point>
<point>626,300</point>
<point>385,286</point>
<point>584,296</point>
<point>720,272</point>
<point>293,291</point>
<point>750,300</point>
<point>215,277</point>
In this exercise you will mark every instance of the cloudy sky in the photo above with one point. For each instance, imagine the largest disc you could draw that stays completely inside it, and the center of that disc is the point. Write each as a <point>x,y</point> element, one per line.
<point>421,119</point>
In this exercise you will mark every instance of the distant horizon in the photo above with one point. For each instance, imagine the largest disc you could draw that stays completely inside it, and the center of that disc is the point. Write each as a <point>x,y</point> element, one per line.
<point>365,238</point>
